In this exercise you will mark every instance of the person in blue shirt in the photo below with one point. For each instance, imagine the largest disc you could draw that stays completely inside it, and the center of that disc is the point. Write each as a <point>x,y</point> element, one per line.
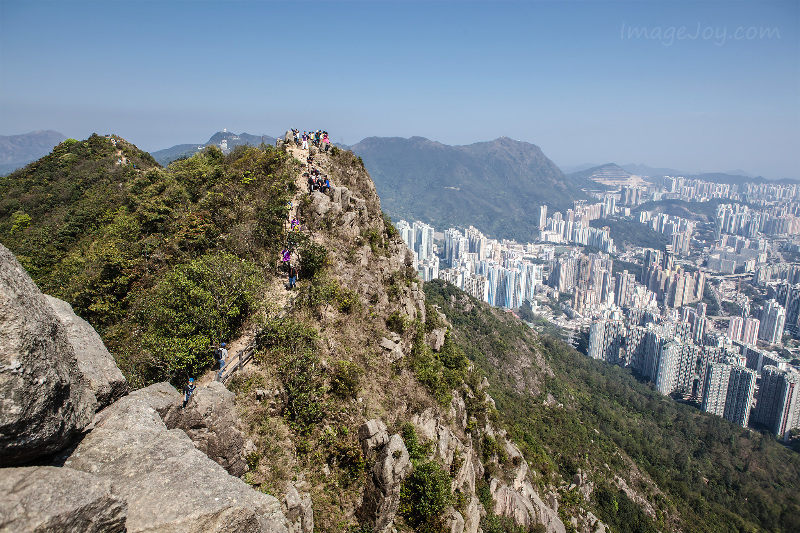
<point>188,390</point>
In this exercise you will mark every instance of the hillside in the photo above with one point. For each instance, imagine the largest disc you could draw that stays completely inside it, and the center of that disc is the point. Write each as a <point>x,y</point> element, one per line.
<point>632,233</point>
<point>180,151</point>
<point>166,263</point>
<point>689,471</point>
<point>599,178</point>
<point>16,151</point>
<point>493,185</point>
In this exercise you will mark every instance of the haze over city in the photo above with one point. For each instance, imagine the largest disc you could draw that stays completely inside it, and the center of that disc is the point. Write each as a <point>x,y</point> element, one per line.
<point>697,86</point>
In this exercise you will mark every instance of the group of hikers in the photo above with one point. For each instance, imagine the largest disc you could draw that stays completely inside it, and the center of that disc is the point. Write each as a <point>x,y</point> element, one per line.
<point>316,182</point>
<point>317,138</point>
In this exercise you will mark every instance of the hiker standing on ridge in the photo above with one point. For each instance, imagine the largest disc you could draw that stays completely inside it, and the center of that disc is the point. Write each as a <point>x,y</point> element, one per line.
<point>188,390</point>
<point>292,277</point>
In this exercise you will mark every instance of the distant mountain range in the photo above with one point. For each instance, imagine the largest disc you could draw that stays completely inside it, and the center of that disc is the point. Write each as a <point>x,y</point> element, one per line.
<point>179,151</point>
<point>16,151</point>
<point>495,186</point>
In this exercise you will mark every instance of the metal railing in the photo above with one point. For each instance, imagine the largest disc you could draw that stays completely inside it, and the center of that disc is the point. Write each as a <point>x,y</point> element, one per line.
<point>245,355</point>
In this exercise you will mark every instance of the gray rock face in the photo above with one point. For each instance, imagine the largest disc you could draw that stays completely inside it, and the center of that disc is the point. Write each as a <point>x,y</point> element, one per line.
<point>299,511</point>
<point>168,484</point>
<point>373,436</point>
<point>524,506</point>
<point>436,338</point>
<point>382,492</point>
<point>211,421</point>
<point>160,396</point>
<point>44,400</point>
<point>94,361</point>
<point>40,499</point>
<point>454,522</point>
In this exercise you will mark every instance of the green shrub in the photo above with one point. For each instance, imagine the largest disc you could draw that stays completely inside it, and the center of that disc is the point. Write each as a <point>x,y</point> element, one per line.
<point>484,494</point>
<point>348,300</point>
<point>195,305</point>
<point>389,229</point>
<point>301,375</point>
<point>313,258</point>
<point>346,379</point>
<point>417,451</point>
<point>286,336</point>
<point>374,239</point>
<point>397,322</point>
<point>342,449</point>
<point>425,495</point>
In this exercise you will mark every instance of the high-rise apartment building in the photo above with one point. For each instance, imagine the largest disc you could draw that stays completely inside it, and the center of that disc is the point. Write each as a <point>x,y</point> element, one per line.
<point>776,406</point>
<point>750,330</point>
<point>773,317</point>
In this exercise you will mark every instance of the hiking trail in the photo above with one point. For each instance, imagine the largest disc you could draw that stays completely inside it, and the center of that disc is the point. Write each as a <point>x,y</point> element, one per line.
<point>279,298</point>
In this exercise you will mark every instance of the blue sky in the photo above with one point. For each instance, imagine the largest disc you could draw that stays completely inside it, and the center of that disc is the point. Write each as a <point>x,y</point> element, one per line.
<point>698,86</point>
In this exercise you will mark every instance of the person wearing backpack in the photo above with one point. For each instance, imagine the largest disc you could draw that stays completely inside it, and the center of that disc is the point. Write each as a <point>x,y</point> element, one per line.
<point>188,390</point>
<point>220,355</point>
<point>292,277</point>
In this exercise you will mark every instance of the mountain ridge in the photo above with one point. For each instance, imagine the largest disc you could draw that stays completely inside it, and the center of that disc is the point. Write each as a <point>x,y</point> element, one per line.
<point>16,151</point>
<point>492,184</point>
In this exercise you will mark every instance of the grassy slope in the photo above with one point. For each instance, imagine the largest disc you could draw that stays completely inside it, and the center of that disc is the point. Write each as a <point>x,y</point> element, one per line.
<point>714,475</point>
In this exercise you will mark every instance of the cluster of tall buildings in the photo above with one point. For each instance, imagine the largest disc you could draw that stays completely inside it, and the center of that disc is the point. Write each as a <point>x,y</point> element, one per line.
<point>722,376</point>
<point>672,286</point>
<point>501,273</point>
<point>738,219</point>
<point>574,226</point>
<point>419,239</point>
<point>678,229</point>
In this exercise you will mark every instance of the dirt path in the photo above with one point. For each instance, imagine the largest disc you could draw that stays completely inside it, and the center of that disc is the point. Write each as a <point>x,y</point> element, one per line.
<point>280,298</point>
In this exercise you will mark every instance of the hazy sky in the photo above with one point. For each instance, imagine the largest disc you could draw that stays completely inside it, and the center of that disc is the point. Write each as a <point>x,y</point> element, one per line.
<point>698,86</point>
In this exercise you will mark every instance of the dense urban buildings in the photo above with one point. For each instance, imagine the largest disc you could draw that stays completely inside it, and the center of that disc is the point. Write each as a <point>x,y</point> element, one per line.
<point>675,314</point>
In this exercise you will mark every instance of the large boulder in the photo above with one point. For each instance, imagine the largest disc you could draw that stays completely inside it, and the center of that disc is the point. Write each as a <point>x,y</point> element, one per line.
<point>94,361</point>
<point>168,484</point>
<point>44,399</point>
<point>46,498</point>
<point>382,491</point>
<point>162,397</point>
<point>524,506</point>
<point>373,436</point>
<point>211,421</point>
<point>298,510</point>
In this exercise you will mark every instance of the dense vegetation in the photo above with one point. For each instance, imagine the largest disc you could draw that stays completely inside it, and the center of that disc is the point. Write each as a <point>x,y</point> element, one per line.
<point>163,262</point>
<point>713,475</point>
<point>632,232</point>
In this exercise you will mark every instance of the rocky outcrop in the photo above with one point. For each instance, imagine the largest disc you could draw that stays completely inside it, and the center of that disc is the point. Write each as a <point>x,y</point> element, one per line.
<point>373,436</point>
<point>298,510</point>
<point>41,499</point>
<point>168,484</point>
<point>44,399</point>
<point>94,361</point>
<point>524,506</point>
<point>453,521</point>
<point>382,491</point>
<point>393,351</point>
<point>436,338</point>
<point>160,396</point>
<point>211,421</point>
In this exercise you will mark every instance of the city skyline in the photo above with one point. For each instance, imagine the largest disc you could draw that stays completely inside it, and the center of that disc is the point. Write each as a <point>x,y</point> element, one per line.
<point>705,86</point>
